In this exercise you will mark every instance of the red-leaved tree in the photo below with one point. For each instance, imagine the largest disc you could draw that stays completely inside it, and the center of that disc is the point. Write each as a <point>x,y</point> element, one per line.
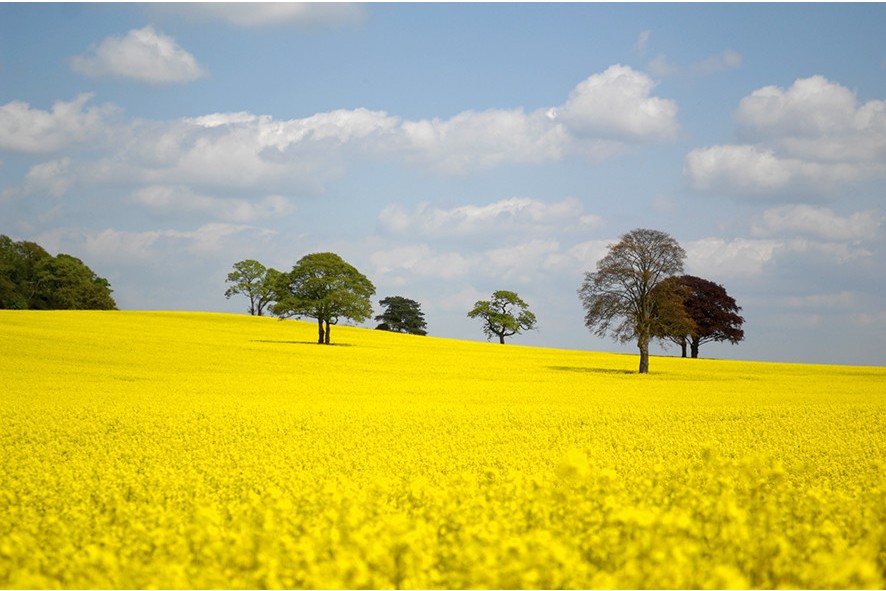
<point>712,312</point>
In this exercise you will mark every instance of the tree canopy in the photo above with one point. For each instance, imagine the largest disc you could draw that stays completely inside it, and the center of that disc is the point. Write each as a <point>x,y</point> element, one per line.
<point>255,281</point>
<point>402,315</point>
<point>618,298</point>
<point>31,278</point>
<point>711,312</point>
<point>323,286</point>
<point>504,315</point>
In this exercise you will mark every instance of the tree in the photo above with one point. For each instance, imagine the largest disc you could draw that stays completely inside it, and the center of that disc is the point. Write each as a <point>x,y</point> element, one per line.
<point>713,313</point>
<point>71,285</point>
<point>618,298</point>
<point>323,286</point>
<point>402,315</point>
<point>256,282</point>
<point>504,315</point>
<point>31,278</point>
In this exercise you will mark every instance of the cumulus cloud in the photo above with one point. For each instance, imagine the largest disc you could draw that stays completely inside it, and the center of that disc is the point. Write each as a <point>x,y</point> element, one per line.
<point>743,168</point>
<point>740,257</point>
<point>812,136</point>
<point>472,141</point>
<point>618,103</point>
<point>817,222</point>
<point>745,258</point>
<point>35,131</point>
<point>145,55</point>
<point>603,116</point>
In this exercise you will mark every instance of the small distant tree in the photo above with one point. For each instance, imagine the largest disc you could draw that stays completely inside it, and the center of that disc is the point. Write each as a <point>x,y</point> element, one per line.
<point>713,314</point>
<point>618,298</point>
<point>504,315</point>
<point>255,281</point>
<point>402,315</point>
<point>323,286</point>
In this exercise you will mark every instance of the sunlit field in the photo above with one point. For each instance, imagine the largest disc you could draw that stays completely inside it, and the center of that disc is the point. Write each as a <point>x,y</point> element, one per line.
<point>191,450</point>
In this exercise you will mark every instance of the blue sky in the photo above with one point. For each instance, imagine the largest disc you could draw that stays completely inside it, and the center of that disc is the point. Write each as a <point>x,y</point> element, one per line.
<point>450,150</point>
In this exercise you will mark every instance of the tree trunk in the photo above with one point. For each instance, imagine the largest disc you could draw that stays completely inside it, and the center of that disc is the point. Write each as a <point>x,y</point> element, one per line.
<point>501,339</point>
<point>683,347</point>
<point>643,345</point>
<point>320,328</point>
<point>694,347</point>
<point>327,332</point>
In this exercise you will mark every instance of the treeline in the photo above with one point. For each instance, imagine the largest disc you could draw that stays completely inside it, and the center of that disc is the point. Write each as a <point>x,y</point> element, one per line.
<point>638,292</point>
<point>32,279</point>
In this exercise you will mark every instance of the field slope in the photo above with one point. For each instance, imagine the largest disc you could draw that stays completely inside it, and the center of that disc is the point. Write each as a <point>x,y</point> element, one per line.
<point>194,450</point>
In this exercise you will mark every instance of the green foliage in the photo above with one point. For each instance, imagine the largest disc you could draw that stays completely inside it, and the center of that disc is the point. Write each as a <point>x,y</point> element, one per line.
<point>255,281</point>
<point>31,278</point>
<point>323,286</point>
<point>504,315</point>
<point>402,315</point>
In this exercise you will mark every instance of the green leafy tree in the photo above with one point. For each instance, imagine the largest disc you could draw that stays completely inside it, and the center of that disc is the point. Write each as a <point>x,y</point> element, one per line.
<point>402,315</point>
<point>711,311</point>
<point>324,287</point>
<point>504,315</point>
<point>255,281</point>
<point>31,278</point>
<point>618,298</point>
<point>69,284</point>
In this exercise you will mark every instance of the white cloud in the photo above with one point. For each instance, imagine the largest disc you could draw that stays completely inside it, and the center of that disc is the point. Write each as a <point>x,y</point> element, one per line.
<point>601,115</point>
<point>817,222</point>
<point>750,257</point>
<point>521,262</point>
<point>514,215</point>
<point>25,129</point>
<point>725,60</point>
<point>182,200</point>
<point>262,14</point>
<point>661,67</point>
<point>742,168</point>
<point>243,150</point>
<point>813,136</point>
<point>472,141</point>
<point>158,245</point>
<point>717,257</point>
<point>419,261</point>
<point>145,55</point>
<point>608,111</point>
<point>642,43</point>
<point>51,177</point>
<point>618,104</point>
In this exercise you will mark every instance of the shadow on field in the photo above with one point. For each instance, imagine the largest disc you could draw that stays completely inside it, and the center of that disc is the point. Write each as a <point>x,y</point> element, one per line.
<point>592,370</point>
<point>315,343</point>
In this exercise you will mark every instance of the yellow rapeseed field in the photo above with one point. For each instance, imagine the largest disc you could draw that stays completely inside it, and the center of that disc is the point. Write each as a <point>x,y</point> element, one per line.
<point>194,450</point>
